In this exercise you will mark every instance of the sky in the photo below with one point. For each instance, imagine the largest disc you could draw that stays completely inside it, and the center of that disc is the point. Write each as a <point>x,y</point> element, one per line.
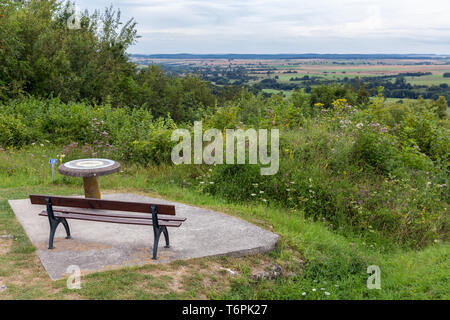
<point>286,26</point>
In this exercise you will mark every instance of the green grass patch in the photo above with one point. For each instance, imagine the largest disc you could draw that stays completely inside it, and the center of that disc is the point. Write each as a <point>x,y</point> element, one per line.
<point>314,258</point>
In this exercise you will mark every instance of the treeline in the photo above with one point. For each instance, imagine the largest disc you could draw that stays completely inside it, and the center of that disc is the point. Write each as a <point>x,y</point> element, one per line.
<point>401,89</point>
<point>395,86</point>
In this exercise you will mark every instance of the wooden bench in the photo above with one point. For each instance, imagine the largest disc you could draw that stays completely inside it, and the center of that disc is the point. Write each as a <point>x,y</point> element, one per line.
<point>162,216</point>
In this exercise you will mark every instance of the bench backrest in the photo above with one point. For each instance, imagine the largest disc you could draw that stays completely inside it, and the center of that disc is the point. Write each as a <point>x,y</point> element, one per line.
<point>103,204</point>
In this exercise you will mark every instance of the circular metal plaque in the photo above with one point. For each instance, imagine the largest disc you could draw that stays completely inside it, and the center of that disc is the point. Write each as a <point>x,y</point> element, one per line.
<point>89,167</point>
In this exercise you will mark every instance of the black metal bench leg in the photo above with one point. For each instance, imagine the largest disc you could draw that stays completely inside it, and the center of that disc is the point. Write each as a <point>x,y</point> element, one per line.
<point>66,226</point>
<point>53,226</point>
<point>166,236</point>
<point>157,234</point>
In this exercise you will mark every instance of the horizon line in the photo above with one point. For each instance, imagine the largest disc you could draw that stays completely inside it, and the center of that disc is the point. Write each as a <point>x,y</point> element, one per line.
<point>305,53</point>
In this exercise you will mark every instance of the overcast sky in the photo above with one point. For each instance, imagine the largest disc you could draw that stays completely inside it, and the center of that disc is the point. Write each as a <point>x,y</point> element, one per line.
<point>286,26</point>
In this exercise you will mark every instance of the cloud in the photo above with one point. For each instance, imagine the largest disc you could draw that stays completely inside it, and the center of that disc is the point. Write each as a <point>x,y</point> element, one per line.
<point>258,26</point>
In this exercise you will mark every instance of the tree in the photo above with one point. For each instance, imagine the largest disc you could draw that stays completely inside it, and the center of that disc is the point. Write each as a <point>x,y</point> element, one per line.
<point>326,94</point>
<point>40,55</point>
<point>441,107</point>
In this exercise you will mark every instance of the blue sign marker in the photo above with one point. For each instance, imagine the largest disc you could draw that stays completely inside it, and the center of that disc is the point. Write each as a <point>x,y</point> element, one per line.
<point>53,162</point>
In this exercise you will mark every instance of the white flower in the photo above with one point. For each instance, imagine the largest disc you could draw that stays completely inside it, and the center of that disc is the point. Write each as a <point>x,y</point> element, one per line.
<point>212,182</point>
<point>360,125</point>
<point>261,192</point>
<point>202,182</point>
<point>253,194</point>
<point>314,289</point>
<point>303,293</point>
<point>327,293</point>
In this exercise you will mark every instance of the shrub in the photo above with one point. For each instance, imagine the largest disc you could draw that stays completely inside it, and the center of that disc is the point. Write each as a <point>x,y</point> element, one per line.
<point>373,149</point>
<point>13,132</point>
<point>327,94</point>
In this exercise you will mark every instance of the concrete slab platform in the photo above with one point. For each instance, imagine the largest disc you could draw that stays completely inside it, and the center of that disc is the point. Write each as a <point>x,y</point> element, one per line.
<point>97,246</point>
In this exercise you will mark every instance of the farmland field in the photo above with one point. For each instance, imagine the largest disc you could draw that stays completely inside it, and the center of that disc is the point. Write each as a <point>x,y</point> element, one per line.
<point>402,77</point>
<point>286,69</point>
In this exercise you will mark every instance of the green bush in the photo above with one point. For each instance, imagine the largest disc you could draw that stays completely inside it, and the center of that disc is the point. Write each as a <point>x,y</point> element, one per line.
<point>13,132</point>
<point>373,149</point>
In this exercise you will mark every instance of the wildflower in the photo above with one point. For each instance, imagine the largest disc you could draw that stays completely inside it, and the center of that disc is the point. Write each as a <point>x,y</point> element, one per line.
<point>327,293</point>
<point>202,182</point>
<point>212,182</point>
<point>264,200</point>
<point>261,192</point>
<point>359,125</point>
<point>253,194</point>
<point>314,289</point>
<point>303,293</point>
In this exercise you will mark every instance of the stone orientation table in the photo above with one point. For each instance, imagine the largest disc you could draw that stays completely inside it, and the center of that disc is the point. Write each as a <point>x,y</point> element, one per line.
<point>89,170</point>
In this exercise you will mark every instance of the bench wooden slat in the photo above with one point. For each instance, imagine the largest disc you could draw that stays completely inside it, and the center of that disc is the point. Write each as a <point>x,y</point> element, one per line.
<point>103,204</point>
<point>118,215</point>
<point>112,219</point>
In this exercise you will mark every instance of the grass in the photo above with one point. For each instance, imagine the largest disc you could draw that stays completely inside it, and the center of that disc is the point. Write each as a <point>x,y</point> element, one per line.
<point>311,255</point>
<point>428,80</point>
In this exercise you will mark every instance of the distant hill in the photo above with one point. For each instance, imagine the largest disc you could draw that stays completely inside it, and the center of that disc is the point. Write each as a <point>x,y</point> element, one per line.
<point>288,56</point>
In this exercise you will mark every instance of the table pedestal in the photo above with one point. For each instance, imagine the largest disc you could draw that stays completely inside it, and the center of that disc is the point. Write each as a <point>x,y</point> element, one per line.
<point>91,187</point>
